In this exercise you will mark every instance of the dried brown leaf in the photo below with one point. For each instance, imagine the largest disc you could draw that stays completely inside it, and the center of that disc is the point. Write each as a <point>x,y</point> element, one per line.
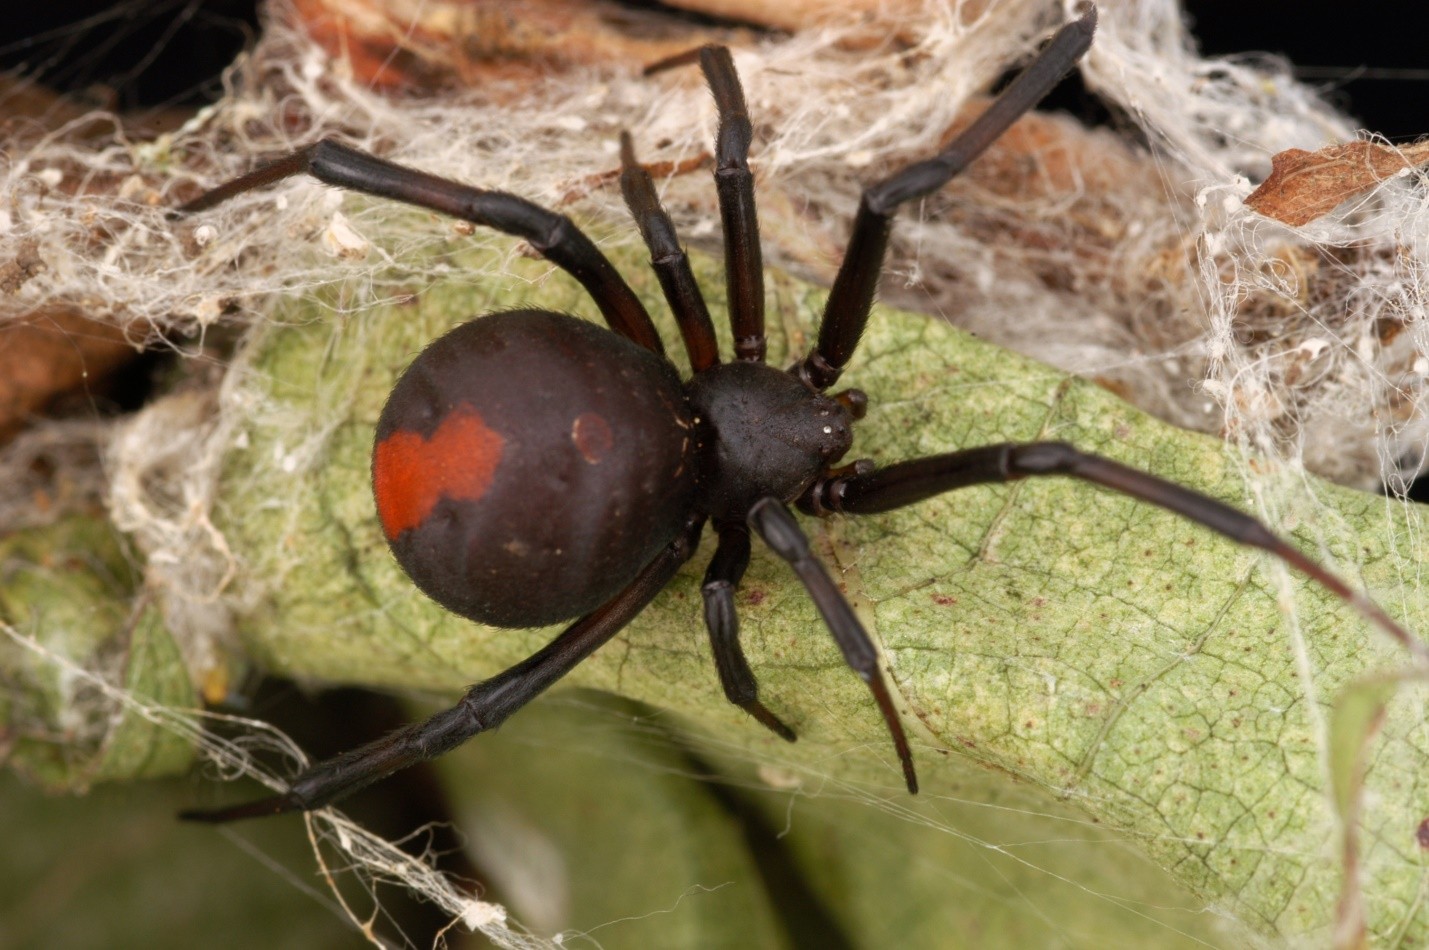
<point>410,46</point>
<point>1303,185</point>
<point>52,353</point>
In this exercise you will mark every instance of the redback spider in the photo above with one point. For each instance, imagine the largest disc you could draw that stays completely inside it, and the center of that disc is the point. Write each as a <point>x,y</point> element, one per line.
<point>531,467</point>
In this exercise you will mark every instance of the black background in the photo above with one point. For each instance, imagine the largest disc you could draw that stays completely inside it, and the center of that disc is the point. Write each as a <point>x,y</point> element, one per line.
<point>1370,60</point>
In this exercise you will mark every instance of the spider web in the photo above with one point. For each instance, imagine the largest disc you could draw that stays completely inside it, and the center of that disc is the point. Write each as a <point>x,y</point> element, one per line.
<point>1138,269</point>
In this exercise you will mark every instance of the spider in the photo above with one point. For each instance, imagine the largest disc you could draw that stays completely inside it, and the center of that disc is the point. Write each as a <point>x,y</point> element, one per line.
<point>531,467</point>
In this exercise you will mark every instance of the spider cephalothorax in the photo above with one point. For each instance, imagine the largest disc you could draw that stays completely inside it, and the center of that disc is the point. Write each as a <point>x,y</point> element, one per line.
<point>530,467</point>
<point>762,433</point>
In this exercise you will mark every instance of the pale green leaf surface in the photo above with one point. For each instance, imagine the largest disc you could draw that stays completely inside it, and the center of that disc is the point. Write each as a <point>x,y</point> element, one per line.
<point>1356,718</point>
<point>1097,650</point>
<point>114,869</point>
<point>69,591</point>
<point>649,856</point>
<point>583,826</point>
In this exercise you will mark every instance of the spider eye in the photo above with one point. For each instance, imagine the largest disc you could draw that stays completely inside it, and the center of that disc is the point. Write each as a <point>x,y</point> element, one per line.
<point>836,438</point>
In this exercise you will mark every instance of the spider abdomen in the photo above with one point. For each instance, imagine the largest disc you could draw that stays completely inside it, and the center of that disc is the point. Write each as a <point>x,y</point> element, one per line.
<point>528,464</point>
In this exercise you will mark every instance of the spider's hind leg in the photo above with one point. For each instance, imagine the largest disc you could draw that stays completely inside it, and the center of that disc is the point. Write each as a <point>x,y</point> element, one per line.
<point>485,706</point>
<point>554,235</point>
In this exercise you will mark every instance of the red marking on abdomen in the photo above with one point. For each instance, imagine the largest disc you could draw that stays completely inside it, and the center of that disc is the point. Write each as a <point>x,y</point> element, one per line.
<point>411,473</point>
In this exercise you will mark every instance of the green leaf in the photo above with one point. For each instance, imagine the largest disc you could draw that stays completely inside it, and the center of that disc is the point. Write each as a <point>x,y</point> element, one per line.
<point>586,816</point>
<point>115,869</point>
<point>1047,635</point>
<point>1357,717</point>
<point>67,600</point>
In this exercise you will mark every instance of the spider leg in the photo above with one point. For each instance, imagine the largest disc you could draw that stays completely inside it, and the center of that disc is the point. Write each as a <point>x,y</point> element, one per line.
<point>668,259</point>
<point>846,312</point>
<point>743,259</point>
<point>781,532</point>
<point>906,483</point>
<point>723,576</point>
<point>553,235</point>
<point>485,705</point>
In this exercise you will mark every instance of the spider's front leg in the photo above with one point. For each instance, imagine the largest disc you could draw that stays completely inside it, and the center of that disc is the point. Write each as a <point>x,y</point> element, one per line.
<point>734,183</point>
<point>846,312</point>
<point>726,569</point>
<point>785,538</point>
<point>485,705</point>
<point>907,483</point>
